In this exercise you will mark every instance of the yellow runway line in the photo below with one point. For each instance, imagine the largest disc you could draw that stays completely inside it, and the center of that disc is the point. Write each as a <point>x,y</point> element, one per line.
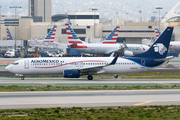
<point>143,103</point>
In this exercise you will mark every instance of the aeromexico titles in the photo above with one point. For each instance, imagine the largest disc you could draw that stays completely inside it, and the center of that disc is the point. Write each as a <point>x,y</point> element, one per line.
<point>74,67</point>
<point>105,47</point>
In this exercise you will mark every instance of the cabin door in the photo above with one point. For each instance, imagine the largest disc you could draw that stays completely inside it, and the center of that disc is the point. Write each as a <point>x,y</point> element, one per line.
<point>143,63</point>
<point>26,64</point>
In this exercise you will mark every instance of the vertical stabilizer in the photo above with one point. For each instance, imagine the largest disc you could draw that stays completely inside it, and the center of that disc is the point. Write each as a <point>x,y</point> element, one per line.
<point>160,47</point>
<point>9,36</point>
<point>72,37</point>
<point>51,35</point>
<point>112,38</point>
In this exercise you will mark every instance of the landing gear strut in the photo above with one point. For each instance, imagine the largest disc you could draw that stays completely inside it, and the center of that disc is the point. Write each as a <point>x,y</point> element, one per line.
<point>90,77</point>
<point>115,76</point>
<point>22,78</point>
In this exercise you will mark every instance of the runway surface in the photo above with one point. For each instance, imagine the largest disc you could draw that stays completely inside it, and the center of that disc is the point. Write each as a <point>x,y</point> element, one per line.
<point>84,82</point>
<point>46,99</point>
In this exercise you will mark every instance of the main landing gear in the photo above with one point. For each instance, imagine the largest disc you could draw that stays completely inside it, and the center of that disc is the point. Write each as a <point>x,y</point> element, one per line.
<point>90,77</point>
<point>22,77</point>
<point>115,76</point>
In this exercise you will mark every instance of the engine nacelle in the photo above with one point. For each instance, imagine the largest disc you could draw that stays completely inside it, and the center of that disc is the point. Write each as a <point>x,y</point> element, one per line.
<point>128,53</point>
<point>71,73</point>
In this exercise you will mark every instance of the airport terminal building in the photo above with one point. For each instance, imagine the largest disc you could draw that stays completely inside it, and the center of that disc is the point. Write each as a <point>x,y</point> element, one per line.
<point>87,26</point>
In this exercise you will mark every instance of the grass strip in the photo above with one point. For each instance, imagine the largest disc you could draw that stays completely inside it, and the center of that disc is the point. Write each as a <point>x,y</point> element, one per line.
<point>62,88</point>
<point>77,113</point>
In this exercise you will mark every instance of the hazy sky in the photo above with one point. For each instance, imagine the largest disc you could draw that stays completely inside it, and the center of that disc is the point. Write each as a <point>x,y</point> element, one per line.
<point>107,8</point>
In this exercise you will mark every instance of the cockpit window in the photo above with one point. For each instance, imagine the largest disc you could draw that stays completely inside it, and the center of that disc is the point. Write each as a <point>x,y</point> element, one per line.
<point>15,63</point>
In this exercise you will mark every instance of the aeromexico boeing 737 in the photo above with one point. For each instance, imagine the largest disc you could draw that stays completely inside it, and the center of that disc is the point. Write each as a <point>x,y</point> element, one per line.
<point>74,67</point>
<point>105,47</point>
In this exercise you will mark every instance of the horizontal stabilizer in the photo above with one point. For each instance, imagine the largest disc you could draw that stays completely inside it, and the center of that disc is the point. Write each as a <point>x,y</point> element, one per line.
<point>164,59</point>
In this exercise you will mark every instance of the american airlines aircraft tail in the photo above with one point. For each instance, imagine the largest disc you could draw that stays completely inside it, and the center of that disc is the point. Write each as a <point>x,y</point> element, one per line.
<point>112,38</point>
<point>72,37</point>
<point>9,36</point>
<point>74,67</point>
<point>158,33</point>
<point>51,35</point>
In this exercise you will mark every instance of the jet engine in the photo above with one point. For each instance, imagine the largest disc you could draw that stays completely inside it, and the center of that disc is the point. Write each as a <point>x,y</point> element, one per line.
<point>71,73</point>
<point>128,53</point>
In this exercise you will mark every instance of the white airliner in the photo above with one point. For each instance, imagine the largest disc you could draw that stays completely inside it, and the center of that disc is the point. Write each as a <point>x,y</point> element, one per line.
<point>174,45</point>
<point>105,47</point>
<point>74,67</point>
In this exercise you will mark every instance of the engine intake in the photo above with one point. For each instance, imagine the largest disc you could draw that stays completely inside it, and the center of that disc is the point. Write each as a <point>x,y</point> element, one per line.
<point>71,73</point>
<point>128,53</point>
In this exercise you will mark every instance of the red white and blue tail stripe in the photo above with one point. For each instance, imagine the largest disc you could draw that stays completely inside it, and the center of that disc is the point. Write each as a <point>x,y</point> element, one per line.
<point>158,33</point>
<point>112,38</point>
<point>72,37</point>
<point>9,36</point>
<point>51,35</point>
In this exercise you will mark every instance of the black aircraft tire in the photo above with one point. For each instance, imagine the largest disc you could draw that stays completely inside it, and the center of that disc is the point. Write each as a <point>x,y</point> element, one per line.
<point>22,78</point>
<point>116,76</point>
<point>90,77</point>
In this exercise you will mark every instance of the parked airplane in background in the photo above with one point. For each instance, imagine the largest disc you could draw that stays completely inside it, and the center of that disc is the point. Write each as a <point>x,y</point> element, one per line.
<point>49,38</point>
<point>173,46</point>
<point>9,36</point>
<point>51,35</point>
<point>74,67</point>
<point>106,47</point>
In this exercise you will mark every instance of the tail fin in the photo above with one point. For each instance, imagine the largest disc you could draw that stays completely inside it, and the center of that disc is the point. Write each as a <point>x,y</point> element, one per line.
<point>9,36</point>
<point>51,35</point>
<point>112,38</point>
<point>72,37</point>
<point>158,33</point>
<point>160,47</point>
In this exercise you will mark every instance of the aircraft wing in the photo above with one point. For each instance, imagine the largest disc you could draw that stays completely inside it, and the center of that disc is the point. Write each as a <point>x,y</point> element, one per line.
<point>97,69</point>
<point>164,59</point>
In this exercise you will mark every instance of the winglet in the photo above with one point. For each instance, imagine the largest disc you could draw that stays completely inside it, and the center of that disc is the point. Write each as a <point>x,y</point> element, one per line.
<point>114,60</point>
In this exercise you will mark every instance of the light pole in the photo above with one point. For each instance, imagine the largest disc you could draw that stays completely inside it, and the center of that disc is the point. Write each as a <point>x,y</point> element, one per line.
<point>117,17</point>
<point>0,22</point>
<point>158,7</point>
<point>94,9</point>
<point>140,11</point>
<point>127,16</point>
<point>15,7</point>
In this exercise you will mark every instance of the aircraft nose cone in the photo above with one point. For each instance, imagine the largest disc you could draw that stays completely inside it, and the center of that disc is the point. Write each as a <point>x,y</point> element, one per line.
<point>8,68</point>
